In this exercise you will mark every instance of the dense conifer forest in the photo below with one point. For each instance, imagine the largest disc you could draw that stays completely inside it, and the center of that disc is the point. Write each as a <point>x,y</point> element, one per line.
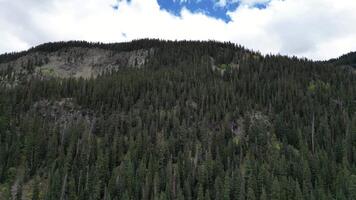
<point>202,120</point>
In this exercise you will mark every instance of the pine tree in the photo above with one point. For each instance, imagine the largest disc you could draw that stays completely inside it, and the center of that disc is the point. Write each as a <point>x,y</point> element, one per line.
<point>352,187</point>
<point>251,128</point>
<point>227,187</point>
<point>236,185</point>
<point>218,187</point>
<point>180,195</point>
<point>207,195</point>
<point>19,191</point>
<point>187,190</point>
<point>71,189</point>
<point>36,190</point>
<point>6,193</point>
<point>276,190</point>
<point>298,192</point>
<point>200,195</point>
<point>163,196</point>
<point>250,194</point>
<point>263,195</point>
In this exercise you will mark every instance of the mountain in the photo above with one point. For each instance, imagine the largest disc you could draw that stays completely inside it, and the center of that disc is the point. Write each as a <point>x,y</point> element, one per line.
<point>347,59</point>
<point>152,119</point>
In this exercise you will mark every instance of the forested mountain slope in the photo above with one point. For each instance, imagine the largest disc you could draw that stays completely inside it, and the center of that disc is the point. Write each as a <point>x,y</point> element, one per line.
<point>347,59</point>
<point>156,119</point>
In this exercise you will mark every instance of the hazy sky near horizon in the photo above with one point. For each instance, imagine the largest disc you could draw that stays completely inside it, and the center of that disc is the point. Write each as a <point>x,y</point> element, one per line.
<point>316,29</point>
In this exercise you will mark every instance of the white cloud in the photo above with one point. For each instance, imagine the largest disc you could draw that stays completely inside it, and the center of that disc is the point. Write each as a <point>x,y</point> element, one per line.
<point>223,3</point>
<point>254,2</point>
<point>317,29</point>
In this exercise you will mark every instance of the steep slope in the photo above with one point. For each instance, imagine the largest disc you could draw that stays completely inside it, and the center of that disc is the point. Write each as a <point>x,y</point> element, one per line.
<point>73,61</point>
<point>197,120</point>
<point>85,60</point>
<point>347,59</point>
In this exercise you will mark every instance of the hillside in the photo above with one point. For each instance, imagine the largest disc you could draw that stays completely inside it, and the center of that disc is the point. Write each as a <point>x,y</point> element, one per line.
<point>154,119</point>
<point>347,61</point>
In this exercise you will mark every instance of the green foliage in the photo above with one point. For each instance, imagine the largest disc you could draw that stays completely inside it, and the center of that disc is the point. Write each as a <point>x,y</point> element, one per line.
<point>224,66</point>
<point>347,59</point>
<point>276,190</point>
<point>200,193</point>
<point>36,190</point>
<point>318,85</point>
<point>251,194</point>
<point>48,72</point>
<point>178,130</point>
<point>352,187</point>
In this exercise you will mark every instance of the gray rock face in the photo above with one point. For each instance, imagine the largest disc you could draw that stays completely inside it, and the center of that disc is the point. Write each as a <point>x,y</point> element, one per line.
<point>62,112</point>
<point>74,62</point>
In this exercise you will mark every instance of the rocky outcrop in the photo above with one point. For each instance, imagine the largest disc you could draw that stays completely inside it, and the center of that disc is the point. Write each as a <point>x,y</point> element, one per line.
<point>72,62</point>
<point>63,113</point>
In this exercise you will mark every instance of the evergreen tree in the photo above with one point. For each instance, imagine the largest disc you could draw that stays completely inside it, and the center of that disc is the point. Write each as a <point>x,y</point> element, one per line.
<point>227,187</point>
<point>263,195</point>
<point>298,192</point>
<point>250,194</point>
<point>275,190</point>
<point>352,187</point>
<point>200,193</point>
<point>36,190</point>
<point>203,120</point>
<point>19,191</point>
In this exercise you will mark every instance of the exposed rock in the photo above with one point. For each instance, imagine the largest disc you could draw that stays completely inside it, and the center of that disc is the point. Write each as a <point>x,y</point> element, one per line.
<point>192,104</point>
<point>349,68</point>
<point>73,62</point>
<point>63,113</point>
<point>258,117</point>
<point>255,119</point>
<point>237,127</point>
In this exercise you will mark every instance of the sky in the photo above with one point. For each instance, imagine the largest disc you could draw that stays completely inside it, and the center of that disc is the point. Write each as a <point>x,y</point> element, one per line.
<point>315,29</point>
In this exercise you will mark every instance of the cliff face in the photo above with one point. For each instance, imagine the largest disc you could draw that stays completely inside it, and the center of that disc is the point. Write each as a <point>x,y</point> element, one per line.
<point>71,62</point>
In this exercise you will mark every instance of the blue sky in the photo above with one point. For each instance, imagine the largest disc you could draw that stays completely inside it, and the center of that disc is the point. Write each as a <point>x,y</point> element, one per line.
<point>316,29</point>
<point>208,7</point>
<point>213,8</point>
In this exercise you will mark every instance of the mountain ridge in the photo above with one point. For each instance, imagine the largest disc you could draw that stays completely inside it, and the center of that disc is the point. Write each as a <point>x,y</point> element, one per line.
<point>86,59</point>
<point>203,120</point>
<point>135,45</point>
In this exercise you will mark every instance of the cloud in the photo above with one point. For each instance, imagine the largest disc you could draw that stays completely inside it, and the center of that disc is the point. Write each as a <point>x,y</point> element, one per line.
<point>223,3</point>
<point>317,29</point>
<point>254,2</point>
